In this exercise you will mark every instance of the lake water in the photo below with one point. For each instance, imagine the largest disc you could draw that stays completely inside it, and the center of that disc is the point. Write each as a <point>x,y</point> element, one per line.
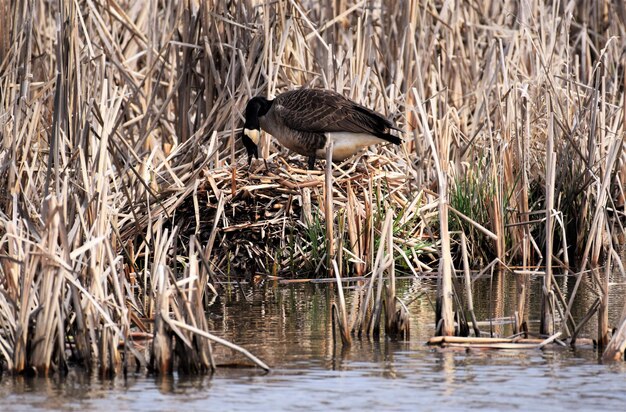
<point>288,327</point>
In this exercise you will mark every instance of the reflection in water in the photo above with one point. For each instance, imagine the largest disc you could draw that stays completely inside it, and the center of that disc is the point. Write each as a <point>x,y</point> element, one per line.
<point>289,328</point>
<point>446,359</point>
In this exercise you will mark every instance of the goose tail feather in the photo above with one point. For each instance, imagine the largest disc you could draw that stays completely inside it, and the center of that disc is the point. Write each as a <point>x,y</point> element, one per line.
<point>388,137</point>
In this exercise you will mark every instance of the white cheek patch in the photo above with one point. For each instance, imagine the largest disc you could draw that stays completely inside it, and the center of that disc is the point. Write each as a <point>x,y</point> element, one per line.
<point>253,134</point>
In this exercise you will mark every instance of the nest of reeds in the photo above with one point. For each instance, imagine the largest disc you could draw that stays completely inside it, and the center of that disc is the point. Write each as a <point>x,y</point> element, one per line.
<point>258,221</point>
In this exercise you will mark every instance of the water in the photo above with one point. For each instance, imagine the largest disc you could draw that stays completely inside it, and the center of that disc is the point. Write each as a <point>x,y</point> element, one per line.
<point>288,327</point>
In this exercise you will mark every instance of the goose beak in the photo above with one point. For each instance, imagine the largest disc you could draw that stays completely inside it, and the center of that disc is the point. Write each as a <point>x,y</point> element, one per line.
<point>250,138</point>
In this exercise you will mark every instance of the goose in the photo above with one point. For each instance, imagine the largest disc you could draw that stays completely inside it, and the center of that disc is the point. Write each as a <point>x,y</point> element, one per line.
<point>304,120</point>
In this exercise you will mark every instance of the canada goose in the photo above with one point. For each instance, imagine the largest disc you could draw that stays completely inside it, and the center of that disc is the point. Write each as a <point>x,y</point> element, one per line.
<point>303,120</point>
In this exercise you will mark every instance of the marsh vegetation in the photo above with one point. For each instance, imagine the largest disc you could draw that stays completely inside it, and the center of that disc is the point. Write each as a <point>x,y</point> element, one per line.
<point>126,200</point>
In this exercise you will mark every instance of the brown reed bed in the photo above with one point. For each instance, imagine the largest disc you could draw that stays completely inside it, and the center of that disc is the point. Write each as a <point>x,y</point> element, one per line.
<point>125,200</point>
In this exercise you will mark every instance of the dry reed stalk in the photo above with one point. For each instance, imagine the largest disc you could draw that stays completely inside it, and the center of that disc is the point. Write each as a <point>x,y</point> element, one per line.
<point>328,205</point>
<point>603,309</point>
<point>477,225</point>
<point>522,148</point>
<point>397,325</point>
<point>492,343</point>
<point>47,338</point>
<point>355,226</point>
<point>217,339</point>
<point>341,312</point>
<point>593,308</point>
<point>602,196</point>
<point>444,296</point>
<point>366,315</point>
<point>381,264</point>
<point>198,356</point>
<point>391,327</point>
<point>162,360</point>
<point>496,209</point>
<point>547,302</point>
<point>617,345</point>
<point>468,284</point>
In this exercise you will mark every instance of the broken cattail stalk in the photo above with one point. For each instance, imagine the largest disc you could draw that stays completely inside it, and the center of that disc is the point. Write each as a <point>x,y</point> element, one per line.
<point>162,359</point>
<point>444,296</point>
<point>217,339</point>
<point>603,309</point>
<point>547,302</point>
<point>328,205</point>
<point>344,328</point>
<point>616,347</point>
<point>468,284</point>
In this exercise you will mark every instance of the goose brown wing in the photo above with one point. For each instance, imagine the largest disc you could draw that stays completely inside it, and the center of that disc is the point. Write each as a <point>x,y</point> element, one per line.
<point>321,111</point>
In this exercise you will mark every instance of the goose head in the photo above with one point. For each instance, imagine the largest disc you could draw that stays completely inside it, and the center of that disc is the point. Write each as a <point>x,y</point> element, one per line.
<point>257,107</point>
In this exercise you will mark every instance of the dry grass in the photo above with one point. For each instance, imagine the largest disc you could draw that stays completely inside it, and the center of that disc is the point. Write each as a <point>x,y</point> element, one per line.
<point>119,124</point>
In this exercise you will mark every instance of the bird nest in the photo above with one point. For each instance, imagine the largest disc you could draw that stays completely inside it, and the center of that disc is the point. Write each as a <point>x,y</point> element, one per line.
<point>258,221</point>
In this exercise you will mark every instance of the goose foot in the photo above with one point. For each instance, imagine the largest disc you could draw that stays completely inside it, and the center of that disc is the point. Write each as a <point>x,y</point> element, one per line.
<point>256,168</point>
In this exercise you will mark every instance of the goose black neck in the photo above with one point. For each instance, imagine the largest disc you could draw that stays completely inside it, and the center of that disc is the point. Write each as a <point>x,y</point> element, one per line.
<point>257,107</point>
